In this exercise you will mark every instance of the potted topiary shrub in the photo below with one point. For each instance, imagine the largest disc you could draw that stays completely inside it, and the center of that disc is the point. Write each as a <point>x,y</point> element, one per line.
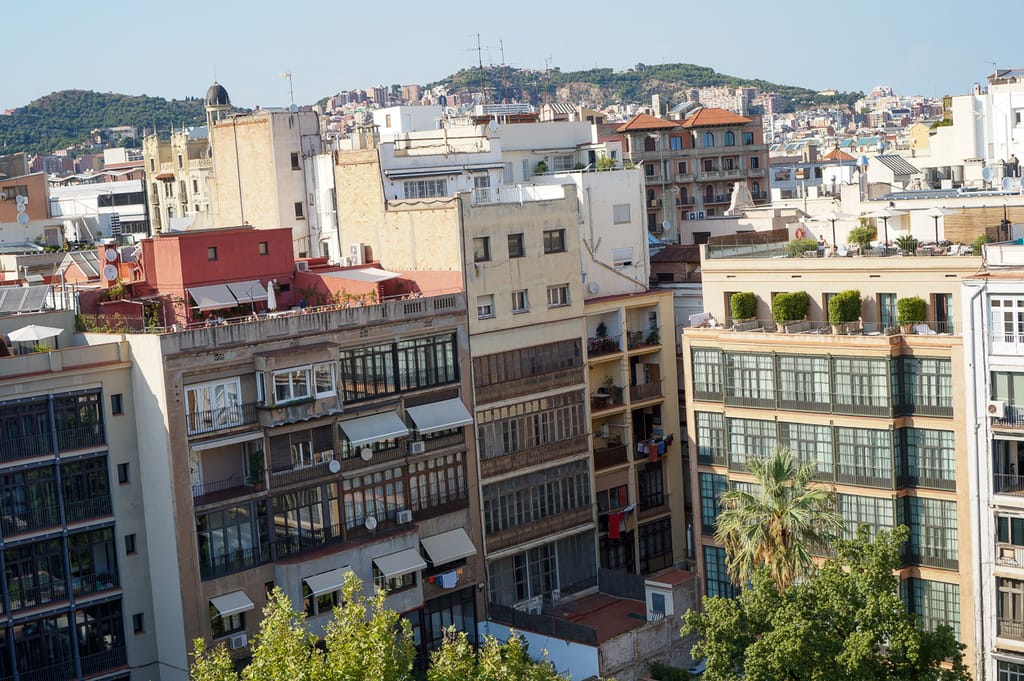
<point>256,469</point>
<point>910,311</point>
<point>844,311</point>
<point>790,307</point>
<point>743,306</point>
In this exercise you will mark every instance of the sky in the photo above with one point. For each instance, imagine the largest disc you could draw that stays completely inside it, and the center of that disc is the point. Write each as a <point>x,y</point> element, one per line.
<point>176,50</point>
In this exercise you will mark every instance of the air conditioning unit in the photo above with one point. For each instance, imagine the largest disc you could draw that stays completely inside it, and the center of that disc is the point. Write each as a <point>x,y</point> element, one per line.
<point>302,266</point>
<point>700,215</point>
<point>417,447</point>
<point>356,253</point>
<point>238,641</point>
<point>693,215</point>
<point>996,409</point>
<point>403,517</point>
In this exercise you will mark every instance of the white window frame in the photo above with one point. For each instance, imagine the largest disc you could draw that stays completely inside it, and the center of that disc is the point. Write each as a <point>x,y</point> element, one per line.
<point>291,373</point>
<point>222,401</point>
<point>558,295</point>
<point>319,367</point>
<point>520,301</point>
<point>485,306</point>
<point>620,214</point>
<point>622,257</point>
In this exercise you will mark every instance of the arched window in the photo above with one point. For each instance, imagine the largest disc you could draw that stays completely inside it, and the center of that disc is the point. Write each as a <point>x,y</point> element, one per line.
<point>650,194</point>
<point>755,188</point>
<point>649,144</point>
<point>709,193</point>
<point>730,139</point>
<point>709,139</point>
<point>684,196</point>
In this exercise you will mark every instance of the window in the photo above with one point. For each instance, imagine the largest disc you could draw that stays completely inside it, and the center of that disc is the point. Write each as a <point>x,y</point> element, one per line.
<point>295,161</point>
<point>810,444</point>
<point>558,296</point>
<point>865,457</point>
<point>730,138</point>
<point>675,143</point>
<point>716,575</point>
<point>887,310</point>
<point>368,372</point>
<point>939,602</point>
<point>878,513</point>
<point>225,625</point>
<point>520,301</point>
<point>263,248</point>
<point>709,139</point>
<point>648,169</point>
<point>711,488</point>
<point>214,405</point>
<point>1010,529</point>
<point>425,189</point>
<point>427,361</point>
<point>181,161</point>
<point>620,213</point>
<point>1007,323</point>
<point>927,457</point>
<point>562,162</point>
<point>232,539</point>
<point>622,257</point>
<point>711,438</point>
<point>195,187</point>
<point>122,473</point>
<point>933,531</point>
<point>298,210</point>
<point>707,374</point>
<point>513,365</point>
<point>861,386</point>
<point>437,482</point>
<point>1009,671</point>
<point>748,138</point>
<point>755,162</point>
<point>655,545</point>
<point>485,306</point>
<point>481,248</point>
<point>211,253</point>
<point>535,496</point>
<point>300,383</point>
<point>392,584</point>
<point>137,622</point>
<point>554,240</point>
<point>516,247</point>
<point>682,167</point>
<point>749,380</point>
<point>129,544</point>
<point>319,604</point>
<point>117,403</point>
<point>378,494</point>
<point>804,382</point>
<point>530,424</point>
<point>750,439</point>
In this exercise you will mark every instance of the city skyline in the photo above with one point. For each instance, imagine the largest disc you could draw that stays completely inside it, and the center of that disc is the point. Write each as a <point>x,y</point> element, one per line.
<point>914,52</point>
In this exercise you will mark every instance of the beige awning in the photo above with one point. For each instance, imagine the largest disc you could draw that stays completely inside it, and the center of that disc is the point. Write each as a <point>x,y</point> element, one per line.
<point>448,546</point>
<point>225,441</point>
<point>400,563</point>
<point>231,603</point>
<point>430,418</point>
<point>216,297</point>
<point>374,428</point>
<point>326,582</point>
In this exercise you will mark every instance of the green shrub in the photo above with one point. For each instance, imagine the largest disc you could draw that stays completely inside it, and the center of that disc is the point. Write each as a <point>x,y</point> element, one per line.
<point>743,305</point>
<point>981,241</point>
<point>844,307</point>
<point>798,247</point>
<point>910,310</point>
<point>789,307</point>
<point>906,242</point>
<point>863,235</point>
<point>540,168</point>
<point>605,163</point>
<point>664,672</point>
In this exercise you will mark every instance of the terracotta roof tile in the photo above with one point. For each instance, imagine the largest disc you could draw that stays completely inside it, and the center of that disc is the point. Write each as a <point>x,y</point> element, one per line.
<point>837,155</point>
<point>713,116</point>
<point>644,121</point>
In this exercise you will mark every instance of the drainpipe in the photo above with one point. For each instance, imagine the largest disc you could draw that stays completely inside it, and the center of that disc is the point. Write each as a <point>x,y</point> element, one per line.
<point>974,480</point>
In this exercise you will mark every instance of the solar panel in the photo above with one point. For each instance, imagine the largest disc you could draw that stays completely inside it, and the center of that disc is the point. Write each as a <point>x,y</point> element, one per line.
<point>12,301</point>
<point>35,299</point>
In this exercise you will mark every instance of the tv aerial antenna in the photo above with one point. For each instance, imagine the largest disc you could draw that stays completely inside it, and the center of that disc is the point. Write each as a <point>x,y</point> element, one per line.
<point>291,89</point>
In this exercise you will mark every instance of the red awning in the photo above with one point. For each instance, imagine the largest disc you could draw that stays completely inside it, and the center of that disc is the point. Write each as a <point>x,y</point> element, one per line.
<point>165,176</point>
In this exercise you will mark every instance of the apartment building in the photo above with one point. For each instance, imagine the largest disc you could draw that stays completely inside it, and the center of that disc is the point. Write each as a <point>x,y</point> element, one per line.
<point>75,582</point>
<point>692,166</point>
<point>991,302</point>
<point>881,410</point>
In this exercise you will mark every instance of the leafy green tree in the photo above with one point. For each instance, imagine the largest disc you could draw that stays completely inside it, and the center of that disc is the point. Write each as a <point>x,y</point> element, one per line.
<point>781,524</point>
<point>283,648</point>
<point>509,661</point>
<point>845,624</point>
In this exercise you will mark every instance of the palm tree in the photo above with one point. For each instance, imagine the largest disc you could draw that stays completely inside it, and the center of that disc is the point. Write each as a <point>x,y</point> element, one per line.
<point>781,525</point>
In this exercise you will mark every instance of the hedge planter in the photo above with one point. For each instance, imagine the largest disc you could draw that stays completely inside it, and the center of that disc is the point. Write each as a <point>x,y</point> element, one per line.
<point>910,311</point>
<point>743,305</point>
<point>844,312</point>
<point>790,307</point>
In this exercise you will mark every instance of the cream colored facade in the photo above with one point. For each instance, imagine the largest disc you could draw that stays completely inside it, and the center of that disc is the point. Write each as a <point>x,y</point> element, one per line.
<point>882,412</point>
<point>178,172</point>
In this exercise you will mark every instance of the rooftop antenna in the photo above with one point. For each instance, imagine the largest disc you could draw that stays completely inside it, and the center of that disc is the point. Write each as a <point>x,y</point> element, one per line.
<point>479,49</point>
<point>291,90</point>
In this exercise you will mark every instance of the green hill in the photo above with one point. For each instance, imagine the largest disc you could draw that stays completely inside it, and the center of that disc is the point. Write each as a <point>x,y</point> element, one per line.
<point>65,118</point>
<point>601,87</point>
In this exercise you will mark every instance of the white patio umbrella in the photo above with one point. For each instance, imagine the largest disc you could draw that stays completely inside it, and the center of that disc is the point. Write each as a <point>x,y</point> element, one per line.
<point>832,216</point>
<point>885,214</point>
<point>937,212</point>
<point>271,296</point>
<point>33,333</point>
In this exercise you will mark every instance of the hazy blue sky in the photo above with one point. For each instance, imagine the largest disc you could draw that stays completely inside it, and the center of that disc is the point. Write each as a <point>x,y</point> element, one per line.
<point>174,50</point>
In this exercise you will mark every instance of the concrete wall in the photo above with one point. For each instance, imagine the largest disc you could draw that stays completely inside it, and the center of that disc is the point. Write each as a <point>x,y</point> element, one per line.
<point>581,661</point>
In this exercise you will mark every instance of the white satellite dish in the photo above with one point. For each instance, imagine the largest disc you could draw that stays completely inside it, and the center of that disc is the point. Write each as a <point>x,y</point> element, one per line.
<point>293,108</point>
<point>110,272</point>
<point>365,453</point>
<point>666,225</point>
<point>493,125</point>
<point>21,199</point>
<point>986,174</point>
<point>334,466</point>
<point>593,287</point>
<point>1008,184</point>
<point>370,523</point>
<point>110,254</point>
<point>3,196</point>
<point>22,219</point>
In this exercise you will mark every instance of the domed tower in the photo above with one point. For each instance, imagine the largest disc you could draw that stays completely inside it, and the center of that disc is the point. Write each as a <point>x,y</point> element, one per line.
<point>218,104</point>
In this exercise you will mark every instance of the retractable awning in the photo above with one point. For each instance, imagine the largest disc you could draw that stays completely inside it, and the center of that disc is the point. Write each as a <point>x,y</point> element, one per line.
<point>400,563</point>
<point>231,603</point>
<point>374,428</point>
<point>326,582</point>
<point>248,291</point>
<point>216,297</point>
<point>430,418</point>
<point>369,274</point>
<point>448,546</point>
<point>225,441</point>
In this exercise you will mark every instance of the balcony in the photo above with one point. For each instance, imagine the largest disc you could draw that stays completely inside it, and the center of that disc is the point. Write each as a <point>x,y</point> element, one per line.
<point>607,457</point>
<point>606,397</point>
<point>650,338</point>
<point>648,391</point>
<point>271,416</point>
<point>233,561</point>
<point>1008,483</point>
<point>219,490</point>
<point>105,661</point>
<point>1010,629</point>
<point>537,529</point>
<point>523,386</point>
<point>81,437</point>
<point>651,505</point>
<point>1009,555</point>
<point>654,203</point>
<point>603,345</point>
<point>683,202</point>
<point>213,420</point>
<point>926,557</point>
<point>865,479</point>
<point>525,458</point>
<point>1012,418</point>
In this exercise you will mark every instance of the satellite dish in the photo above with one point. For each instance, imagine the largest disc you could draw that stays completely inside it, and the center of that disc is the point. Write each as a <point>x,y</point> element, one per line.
<point>110,254</point>
<point>370,523</point>
<point>1008,184</point>
<point>22,219</point>
<point>986,174</point>
<point>365,453</point>
<point>3,196</point>
<point>593,287</point>
<point>666,225</point>
<point>21,199</point>
<point>334,466</point>
<point>293,108</point>
<point>493,125</point>
<point>110,272</point>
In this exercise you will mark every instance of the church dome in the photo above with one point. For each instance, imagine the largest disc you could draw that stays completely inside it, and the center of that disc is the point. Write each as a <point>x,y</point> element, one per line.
<point>217,95</point>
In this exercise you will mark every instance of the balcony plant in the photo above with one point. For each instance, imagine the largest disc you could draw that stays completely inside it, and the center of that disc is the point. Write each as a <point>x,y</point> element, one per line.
<point>255,473</point>
<point>910,311</point>
<point>743,305</point>
<point>863,235</point>
<point>907,244</point>
<point>790,307</point>
<point>844,311</point>
<point>540,168</point>
<point>797,247</point>
<point>653,338</point>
